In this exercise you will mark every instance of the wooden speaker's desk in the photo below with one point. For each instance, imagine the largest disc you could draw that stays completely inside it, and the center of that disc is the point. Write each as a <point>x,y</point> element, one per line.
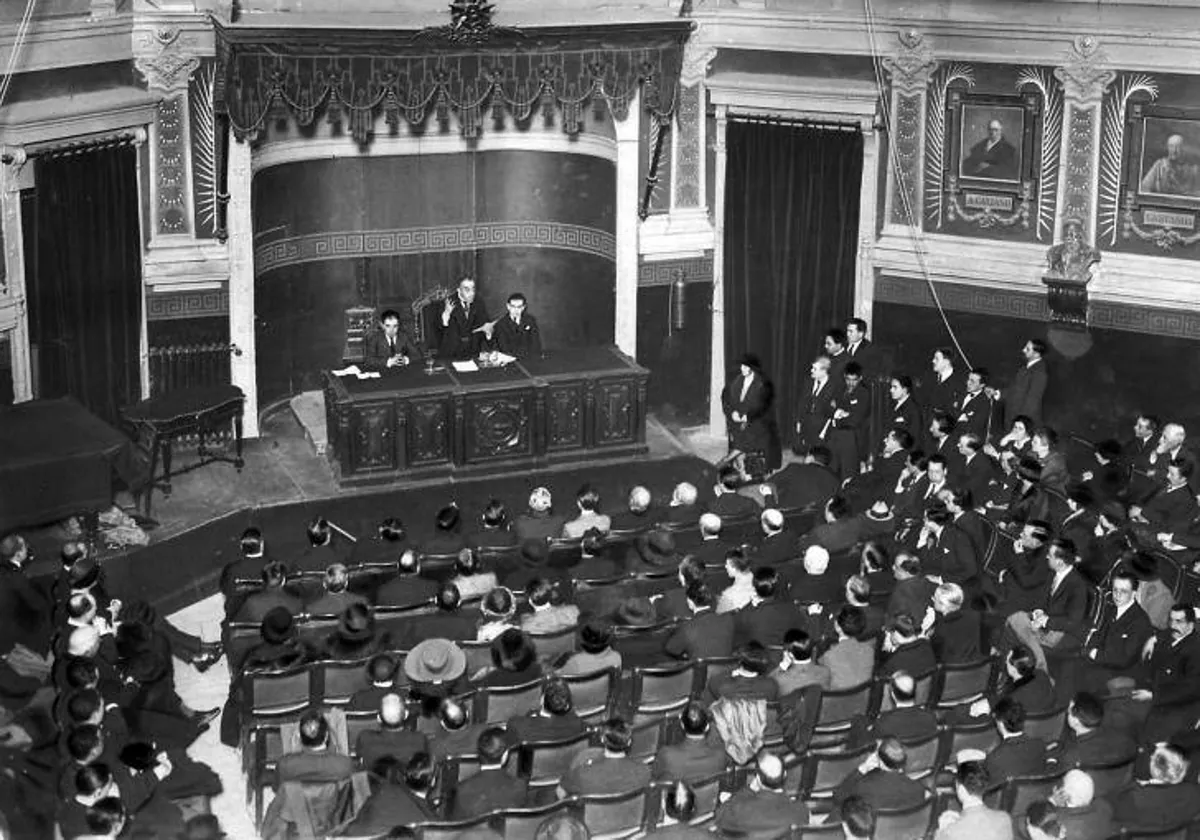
<point>571,405</point>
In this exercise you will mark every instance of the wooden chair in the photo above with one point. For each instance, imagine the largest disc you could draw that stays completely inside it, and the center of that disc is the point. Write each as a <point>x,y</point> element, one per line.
<point>496,704</point>
<point>339,679</point>
<point>647,737</point>
<point>1110,776</point>
<point>964,682</point>
<point>1016,794</point>
<point>1048,726</point>
<point>663,688</point>
<point>545,762</point>
<point>271,694</point>
<point>610,816</point>
<point>551,646</point>
<point>358,722</point>
<point>923,755</point>
<point>707,793</point>
<point>979,734</point>
<point>592,694</point>
<point>522,823</point>
<point>478,655</point>
<point>824,770</point>
<point>840,708</point>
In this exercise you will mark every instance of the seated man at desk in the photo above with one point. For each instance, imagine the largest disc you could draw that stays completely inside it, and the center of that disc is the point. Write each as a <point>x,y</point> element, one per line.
<point>464,326</point>
<point>517,332</point>
<point>390,346</point>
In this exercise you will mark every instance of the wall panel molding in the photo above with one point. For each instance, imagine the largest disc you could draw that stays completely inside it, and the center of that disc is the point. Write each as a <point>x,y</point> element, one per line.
<point>662,272</point>
<point>192,303</point>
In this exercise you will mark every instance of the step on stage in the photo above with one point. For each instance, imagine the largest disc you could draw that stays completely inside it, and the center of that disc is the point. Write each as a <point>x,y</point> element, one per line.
<point>571,405</point>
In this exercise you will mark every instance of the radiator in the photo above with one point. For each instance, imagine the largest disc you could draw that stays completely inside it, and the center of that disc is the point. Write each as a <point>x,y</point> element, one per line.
<point>175,366</point>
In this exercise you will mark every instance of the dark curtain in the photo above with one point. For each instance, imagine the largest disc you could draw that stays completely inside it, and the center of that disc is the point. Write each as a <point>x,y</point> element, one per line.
<point>82,242</point>
<point>791,230</point>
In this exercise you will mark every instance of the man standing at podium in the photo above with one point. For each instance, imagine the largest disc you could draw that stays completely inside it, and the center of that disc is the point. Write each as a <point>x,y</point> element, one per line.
<point>390,346</point>
<point>517,332</point>
<point>464,324</point>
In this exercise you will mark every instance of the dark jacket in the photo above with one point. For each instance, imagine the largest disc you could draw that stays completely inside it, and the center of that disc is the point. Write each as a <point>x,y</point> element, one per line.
<point>958,637</point>
<point>706,634</point>
<point>1017,756</point>
<point>690,760</point>
<point>805,485</point>
<point>1118,643</point>
<point>522,340</point>
<point>488,790</point>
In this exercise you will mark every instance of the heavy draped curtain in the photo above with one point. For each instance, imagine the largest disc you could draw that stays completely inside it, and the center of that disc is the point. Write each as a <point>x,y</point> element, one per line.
<point>83,269</point>
<point>791,230</point>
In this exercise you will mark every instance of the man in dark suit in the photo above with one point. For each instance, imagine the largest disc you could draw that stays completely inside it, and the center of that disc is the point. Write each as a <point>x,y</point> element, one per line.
<point>943,394</point>
<point>408,588</point>
<point>807,483</point>
<point>749,679</point>
<point>1174,676</point>
<point>777,544</point>
<point>447,623</point>
<point>992,157</point>
<point>1172,507</point>
<point>640,514</point>
<point>1028,389</point>
<point>770,615</point>
<point>491,788</point>
<point>697,756</point>
<point>812,581</point>
<point>976,410</point>
<point>391,737</point>
<point>464,325</point>
<point>1114,645</point>
<point>272,595</point>
<point>612,772</point>
<point>1057,622</point>
<point>850,424</point>
<point>556,719</point>
<point>1165,800</point>
<point>758,811</point>
<point>1087,741</point>
<point>880,781</point>
<point>249,566</point>
<point>1017,754</point>
<point>976,471</point>
<point>912,592</point>
<point>390,346</point>
<point>816,407</point>
<point>517,334</point>
<point>906,649</point>
<point>859,348</point>
<point>315,762</point>
<point>957,633</point>
<point>707,633</point>
<point>397,797</point>
<point>727,502</point>
<point>905,720</point>
<point>840,531</point>
<point>946,553</point>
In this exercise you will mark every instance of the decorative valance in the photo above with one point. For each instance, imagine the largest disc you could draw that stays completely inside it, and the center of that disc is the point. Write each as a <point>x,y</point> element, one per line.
<point>353,76</point>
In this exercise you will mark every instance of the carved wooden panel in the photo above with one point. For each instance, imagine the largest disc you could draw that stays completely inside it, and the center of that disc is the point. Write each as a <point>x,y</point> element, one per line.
<point>498,426</point>
<point>373,441</point>
<point>428,431</point>
<point>615,412</point>
<point>564,416</point>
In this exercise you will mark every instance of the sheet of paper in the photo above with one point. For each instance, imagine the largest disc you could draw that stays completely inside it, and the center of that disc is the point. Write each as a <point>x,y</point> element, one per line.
<point>370,374</point>
<point>504,358</point>
<point>348,371</point>
<point>466,367</point>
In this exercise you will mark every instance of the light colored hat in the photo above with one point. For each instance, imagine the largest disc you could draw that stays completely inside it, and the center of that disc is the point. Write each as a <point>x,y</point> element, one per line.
<point>83,641</point>
<point>964,756</point>
<point>540,499</point>
<point>435,661</point>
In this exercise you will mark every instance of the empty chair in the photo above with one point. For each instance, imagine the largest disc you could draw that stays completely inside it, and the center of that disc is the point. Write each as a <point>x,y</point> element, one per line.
<point>1048,726</point>
<point>839,709</point>
<point>496,704</point>
<point>902,823</point>
<point>824,770</point>
<point>592,693</point>
<point>1016,794</point>
<point>707,793</point>
<point>278,693</point>
<point>923,755</point>
<point>478,654</point>
<point>340,679</point>
<point>647,737</point>
<point>550,646</point>
<point>522,823</point>
<point>358,722</point>
<point>663,688</point>
<point>615,815</point>
<point>964,682</point>
<point>544,762</point>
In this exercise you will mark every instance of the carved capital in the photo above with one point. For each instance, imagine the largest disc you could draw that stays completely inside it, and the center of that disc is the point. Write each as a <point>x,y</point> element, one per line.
<point>166,58</point>
<point>1084,74</point>
<point>697,55</point>
<point>913,63</point>
<point>13,158</point>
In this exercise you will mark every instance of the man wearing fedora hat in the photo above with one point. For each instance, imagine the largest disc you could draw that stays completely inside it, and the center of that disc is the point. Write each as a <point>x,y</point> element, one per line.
<point>611,772</point>
<point>435,667</point>
<point>492,788</point>
<point>653,552</point>
<point>393,736</point>
<point>638,649</point>
<point>706,633</point>
<point>356,636</point>
<point>448,622</point>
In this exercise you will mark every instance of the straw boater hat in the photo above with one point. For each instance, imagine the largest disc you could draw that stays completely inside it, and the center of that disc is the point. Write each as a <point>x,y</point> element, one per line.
<point>880,512</point>
<point>435,661</point>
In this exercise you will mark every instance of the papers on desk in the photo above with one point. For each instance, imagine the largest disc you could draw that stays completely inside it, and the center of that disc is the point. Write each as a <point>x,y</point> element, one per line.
<point>353,370</point>
<point>465,367</point>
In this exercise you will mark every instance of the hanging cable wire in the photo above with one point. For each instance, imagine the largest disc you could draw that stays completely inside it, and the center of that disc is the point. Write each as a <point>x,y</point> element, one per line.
<point>914,233</point>
<point>18,43</point>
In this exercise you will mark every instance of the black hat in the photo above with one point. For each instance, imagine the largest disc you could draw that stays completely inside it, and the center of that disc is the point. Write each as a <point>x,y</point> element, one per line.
<point>657,548</point>
<point>750,360</point>
<point>277,626</point>
<point>355,625</point>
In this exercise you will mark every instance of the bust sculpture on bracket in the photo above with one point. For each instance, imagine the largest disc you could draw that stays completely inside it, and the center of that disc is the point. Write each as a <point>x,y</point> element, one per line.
<point>1070,265</point>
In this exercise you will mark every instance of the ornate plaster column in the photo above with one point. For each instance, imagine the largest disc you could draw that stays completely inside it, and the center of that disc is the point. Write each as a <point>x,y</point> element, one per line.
<point>13,307</point>
<point>689,196</point>
<point>910,70</point>
<point>241,281</point>
<point>864,277</point>
<point>166,56</point>
<point>628,182</point>
<point>716,380</point>
<point>1084,78</point>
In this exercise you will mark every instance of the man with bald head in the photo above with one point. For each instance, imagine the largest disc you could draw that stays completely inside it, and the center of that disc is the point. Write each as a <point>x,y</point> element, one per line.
<point>391,737</point>
<point>640,513</point>
<point>761,810</point>
<point>683,509</point>
<point>1177,173</point>
<point>1081,814</point>
<point>777,545</point>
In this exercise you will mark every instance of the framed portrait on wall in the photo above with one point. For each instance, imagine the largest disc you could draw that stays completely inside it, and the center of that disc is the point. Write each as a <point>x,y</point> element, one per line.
<point>989,175</point>
<point>1162,176</point>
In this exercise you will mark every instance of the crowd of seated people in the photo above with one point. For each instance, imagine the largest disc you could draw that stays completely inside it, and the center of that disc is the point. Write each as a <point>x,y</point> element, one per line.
<point>986,632</point>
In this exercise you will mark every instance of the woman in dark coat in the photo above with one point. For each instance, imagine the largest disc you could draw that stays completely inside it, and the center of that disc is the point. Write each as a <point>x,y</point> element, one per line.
<point>749,404</point>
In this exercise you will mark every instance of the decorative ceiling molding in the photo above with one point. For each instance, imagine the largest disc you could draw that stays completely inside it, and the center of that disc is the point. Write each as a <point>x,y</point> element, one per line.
<point>355,75</point>
<point>796,97</point>
<point>913,63</point>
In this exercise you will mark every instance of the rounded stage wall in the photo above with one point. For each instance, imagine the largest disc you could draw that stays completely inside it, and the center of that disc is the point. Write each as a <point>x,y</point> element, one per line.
<point>336,233</point>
